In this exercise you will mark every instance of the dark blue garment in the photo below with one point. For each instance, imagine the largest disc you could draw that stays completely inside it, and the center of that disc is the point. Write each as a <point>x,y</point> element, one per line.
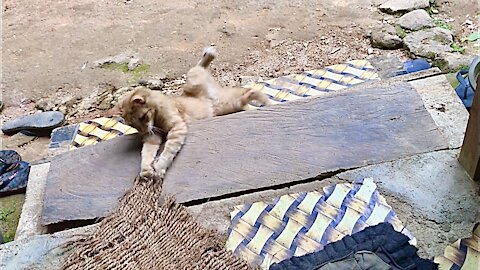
<point>464,90</point>
<point>13,172</point>
<point>391,246</point>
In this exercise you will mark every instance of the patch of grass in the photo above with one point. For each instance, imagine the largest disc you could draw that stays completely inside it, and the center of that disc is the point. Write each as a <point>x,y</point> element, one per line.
<point>442,24</point>
<point>10,210</point>
<point>136,74</point>
<point>452,79</point>
<point>400,31</point>
<point>123,67</point>
<point>5,212</point>
<point>7,218</point>
<point>139,71</point>
<point>457,48</point>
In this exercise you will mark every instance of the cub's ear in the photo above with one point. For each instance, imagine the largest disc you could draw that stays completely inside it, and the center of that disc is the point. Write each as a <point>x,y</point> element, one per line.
<point>138,100</point>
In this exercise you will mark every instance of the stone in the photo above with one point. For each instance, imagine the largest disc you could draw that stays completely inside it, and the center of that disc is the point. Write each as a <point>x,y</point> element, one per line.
<point>451,62</point>
<point>416,20</point>
<point>244,80</point>
<point>402,6</point>
<point>228,29</point>
<point>29,223</point>
<point>106,103</point>
<point>386,37</point>
<point>117,95</point>
<point>46,104</point>
<point>16,140</point>
<point>377,3</point>
<point>133,63</point>
<point>273,37</point>
<point>152,84</point>
<point>429,43</point>
<point>117,59</point>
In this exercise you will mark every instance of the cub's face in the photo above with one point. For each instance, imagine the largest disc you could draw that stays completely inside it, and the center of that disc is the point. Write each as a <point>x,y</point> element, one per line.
<point>136,111</point>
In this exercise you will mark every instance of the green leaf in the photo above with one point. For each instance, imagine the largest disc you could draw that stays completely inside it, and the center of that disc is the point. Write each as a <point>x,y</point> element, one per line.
<point>473,37</point>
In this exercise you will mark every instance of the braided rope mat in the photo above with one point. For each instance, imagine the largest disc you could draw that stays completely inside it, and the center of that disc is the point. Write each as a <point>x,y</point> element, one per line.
<point>146,233</point>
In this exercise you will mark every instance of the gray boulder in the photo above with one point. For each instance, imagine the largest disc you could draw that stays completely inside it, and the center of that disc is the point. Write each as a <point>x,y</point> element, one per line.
<point>429,43</point>
<point>450,62</point>
<point>416,20</point>
<point>402,6</point>
<point>385,37</point>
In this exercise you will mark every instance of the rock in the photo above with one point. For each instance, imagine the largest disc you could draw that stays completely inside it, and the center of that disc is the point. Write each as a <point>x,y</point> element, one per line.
<point>117,59</point>
<point>429,43</point>
<point>105,103</point>
<point>451,62</point>
<point>378,2</point>
<point>273,37</point>
<point>228,29</point>
<point>386,37</point>
<point>244,80</point>
<point>17,140</point>
<point>117,95</point>
<point>402,6</point>
<point>46,104</point>
<point>416,20</point>
<point>386,66</point>
<point>133,63</point>
<point>152,84</point>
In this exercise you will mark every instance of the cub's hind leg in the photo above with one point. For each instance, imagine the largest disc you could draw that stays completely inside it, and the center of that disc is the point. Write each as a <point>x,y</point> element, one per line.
<point>256,95</point>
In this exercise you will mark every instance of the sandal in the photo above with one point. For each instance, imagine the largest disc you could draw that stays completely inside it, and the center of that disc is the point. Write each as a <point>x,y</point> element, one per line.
<point>39,124</point>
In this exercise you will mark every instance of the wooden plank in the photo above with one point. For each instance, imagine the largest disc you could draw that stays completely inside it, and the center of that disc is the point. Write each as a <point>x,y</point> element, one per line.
<point>252,151</point>
<point>470,154</point>
<point>86,183</point>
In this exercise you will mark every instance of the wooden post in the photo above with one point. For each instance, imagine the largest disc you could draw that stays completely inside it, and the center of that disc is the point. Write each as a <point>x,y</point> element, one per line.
<point>470,153</point>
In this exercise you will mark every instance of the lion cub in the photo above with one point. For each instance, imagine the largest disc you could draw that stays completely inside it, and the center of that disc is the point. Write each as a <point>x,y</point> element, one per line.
<point>152,112</point>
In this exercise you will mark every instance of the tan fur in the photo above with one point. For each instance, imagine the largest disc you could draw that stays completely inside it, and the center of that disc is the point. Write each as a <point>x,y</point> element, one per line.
<point>152,112</point>
<point>226,100</point>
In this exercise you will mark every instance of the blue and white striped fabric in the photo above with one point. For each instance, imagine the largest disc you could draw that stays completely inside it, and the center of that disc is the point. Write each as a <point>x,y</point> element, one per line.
<point>297,224</point>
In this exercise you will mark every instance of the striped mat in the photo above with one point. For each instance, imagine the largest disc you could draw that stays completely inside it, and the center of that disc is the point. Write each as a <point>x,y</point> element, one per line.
<point>464,254</point>
<point>297,224</point>
<point>281,89</point>
<point>315,82</point>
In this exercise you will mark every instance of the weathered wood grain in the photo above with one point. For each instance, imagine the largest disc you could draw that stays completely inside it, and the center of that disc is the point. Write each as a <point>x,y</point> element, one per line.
<point>301,140</point>
<point>470,154</point>
<point>253,150</point>
<point>87,183</point>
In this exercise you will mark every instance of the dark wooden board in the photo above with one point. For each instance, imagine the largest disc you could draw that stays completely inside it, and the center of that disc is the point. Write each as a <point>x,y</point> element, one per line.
<point>253,150</point>
<point>470,153</point>
<point>86,183</point>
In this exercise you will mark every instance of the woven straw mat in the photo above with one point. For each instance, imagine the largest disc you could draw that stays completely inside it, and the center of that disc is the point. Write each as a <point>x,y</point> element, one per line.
<point>143,233</point>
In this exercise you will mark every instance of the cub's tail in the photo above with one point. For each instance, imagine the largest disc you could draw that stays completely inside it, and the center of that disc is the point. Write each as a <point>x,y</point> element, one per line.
<point>208,55</point>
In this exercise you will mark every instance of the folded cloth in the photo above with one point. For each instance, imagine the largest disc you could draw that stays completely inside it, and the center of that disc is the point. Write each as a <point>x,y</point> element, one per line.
<point>391,246</point>
<point>361,260</point>
<point>13,172</point>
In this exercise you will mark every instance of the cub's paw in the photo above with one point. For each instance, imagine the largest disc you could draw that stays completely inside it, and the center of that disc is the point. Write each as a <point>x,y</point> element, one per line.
<point>147,173</point>
<point>159,175</point>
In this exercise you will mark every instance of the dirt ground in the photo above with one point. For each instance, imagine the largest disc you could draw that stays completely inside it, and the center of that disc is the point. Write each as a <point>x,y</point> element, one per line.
<point>46,43</point>
<point>48,47</point>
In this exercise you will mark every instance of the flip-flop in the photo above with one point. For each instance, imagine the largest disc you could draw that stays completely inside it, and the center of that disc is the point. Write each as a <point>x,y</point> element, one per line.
<point>39,124</point>
<point>414,65</point>
<point>14,178</point>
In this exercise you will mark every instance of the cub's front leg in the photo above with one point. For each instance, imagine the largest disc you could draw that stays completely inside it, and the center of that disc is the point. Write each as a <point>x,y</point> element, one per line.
<point>175,140</point>
<point>151,144</point>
